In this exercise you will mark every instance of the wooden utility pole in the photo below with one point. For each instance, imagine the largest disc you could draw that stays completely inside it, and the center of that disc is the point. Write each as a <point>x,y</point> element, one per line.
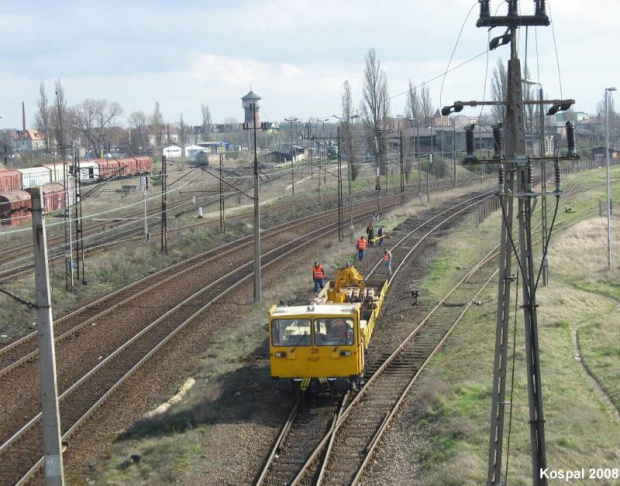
<point>52,445</point>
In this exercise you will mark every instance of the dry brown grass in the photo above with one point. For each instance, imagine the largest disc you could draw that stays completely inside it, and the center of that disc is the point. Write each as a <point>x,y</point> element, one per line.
<point>580,430</point>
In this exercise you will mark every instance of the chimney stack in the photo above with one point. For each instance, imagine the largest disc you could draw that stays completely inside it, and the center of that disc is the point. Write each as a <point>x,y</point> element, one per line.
<point>23,117</point>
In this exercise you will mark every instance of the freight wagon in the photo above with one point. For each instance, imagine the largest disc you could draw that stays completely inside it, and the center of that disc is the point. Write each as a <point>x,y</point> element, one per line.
<point>10,180</point>
<point>14,208</point>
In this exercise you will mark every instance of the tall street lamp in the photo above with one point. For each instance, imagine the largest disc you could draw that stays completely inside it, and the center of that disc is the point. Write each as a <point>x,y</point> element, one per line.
<point>607,91</point>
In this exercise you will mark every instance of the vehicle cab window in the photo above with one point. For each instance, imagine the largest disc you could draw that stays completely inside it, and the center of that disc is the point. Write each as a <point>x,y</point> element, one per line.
<point>290,332</point>
<point>333,332</point>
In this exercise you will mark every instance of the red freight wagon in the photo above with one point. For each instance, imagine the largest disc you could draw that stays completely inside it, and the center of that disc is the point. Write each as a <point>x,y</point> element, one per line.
<point>14,208</point>
<point>54,197</point>
<point>128,166</point>
<point>109,168</point>
<point>10,180</point>
<point>144,165</point>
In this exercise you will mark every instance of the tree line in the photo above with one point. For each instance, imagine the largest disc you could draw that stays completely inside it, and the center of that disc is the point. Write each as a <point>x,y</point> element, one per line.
<point>96,123</point>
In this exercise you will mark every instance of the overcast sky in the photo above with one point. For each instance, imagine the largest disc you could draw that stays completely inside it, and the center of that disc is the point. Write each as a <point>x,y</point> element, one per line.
<point>295,54</point>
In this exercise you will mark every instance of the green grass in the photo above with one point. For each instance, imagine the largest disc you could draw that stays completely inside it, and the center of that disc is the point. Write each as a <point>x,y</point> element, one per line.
<point>452,416</point>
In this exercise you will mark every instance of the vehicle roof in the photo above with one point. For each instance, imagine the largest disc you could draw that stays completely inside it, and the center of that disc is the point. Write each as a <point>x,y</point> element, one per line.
<point>313,310</point>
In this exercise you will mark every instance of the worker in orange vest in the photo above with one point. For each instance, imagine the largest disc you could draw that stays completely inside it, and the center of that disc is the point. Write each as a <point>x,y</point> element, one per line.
<point>361,246</point>
<point>387,261</point>
<point>318,275</point>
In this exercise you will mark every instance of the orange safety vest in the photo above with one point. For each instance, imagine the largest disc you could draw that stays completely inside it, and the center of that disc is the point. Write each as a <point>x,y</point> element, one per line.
<point>317,272</point>
<point>361,244</point>
<point>387,256</point>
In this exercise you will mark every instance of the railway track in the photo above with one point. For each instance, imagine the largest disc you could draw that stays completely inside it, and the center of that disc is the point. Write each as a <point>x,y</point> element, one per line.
<point>130,229</point>
<point>84,392</point>
<point>307,424</point>
<point>345,451</point>
<point>23,350</point>
<point>287,455</point>
<point>18,446</point>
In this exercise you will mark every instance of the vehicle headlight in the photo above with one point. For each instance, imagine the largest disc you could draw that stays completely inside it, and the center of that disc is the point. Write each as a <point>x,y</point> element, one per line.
<point>345,353</point>
<point>281,354</point>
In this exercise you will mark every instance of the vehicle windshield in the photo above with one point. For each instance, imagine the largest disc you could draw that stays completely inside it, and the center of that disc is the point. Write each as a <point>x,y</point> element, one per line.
<point>333,332</point>
<point>290,332</point>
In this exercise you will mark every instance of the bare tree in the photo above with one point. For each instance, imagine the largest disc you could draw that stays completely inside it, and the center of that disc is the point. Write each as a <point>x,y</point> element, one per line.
<point>139,132</point>
<point>529,110</point>
<point>43,117</point>
<point>61,117</point>
<point>207,122</point>
<point>414,112</point>
<point>413,106</point>
<point>347,130</point>
<point>426,105</point>
<point>499,91</point>
<point>182,134</point>
<point>614,119</point>
<point>376,105</point>
<point>157,123</point>
<point>93,117</point>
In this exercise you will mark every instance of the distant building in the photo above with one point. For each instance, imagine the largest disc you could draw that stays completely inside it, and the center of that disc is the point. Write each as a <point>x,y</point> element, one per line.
<point>598,155</point>
<point>172,152</point>
<point>27,141</point>
<point>169,135</point>
<point>575,116</point>
<point>215,147</point>
<point>277,157</point>
<point>249,102</point>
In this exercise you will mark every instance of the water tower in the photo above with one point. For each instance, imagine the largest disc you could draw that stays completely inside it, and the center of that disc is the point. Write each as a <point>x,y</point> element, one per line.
<point>248,100</point>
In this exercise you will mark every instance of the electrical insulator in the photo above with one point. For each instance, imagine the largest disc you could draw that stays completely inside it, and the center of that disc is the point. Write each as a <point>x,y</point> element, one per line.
<point>558,176</point>
<point>502,179</point>
<point>485,9</point>
<point>570,136</point>
<point>530,178</point>
<point>540,7</point>
<point>498,139</point>
<point>513,7</point>
<point>469,143</point>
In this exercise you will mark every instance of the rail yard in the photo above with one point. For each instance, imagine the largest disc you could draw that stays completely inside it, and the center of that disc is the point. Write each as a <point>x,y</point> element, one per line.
<point>115,340</point>
<point>418,297</point>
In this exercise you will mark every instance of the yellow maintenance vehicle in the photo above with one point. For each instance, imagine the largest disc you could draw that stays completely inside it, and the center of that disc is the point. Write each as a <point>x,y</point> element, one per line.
<point>321,345</point>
